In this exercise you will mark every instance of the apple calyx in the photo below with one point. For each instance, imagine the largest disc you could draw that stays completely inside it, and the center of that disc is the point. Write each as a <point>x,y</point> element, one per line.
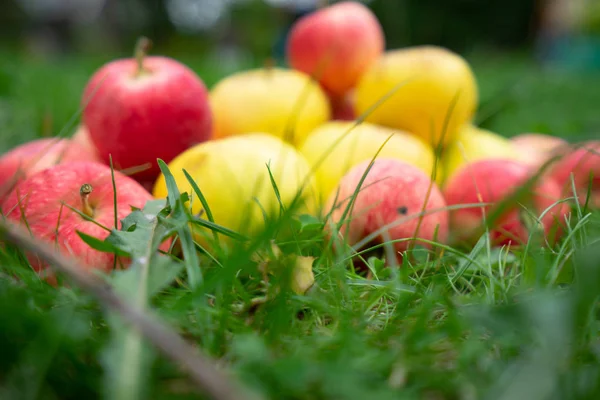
<point>85,191</point>
<point>142,47</point>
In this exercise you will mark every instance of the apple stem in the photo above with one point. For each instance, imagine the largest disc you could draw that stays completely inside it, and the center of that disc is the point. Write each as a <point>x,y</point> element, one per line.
<point>84,192</point>
<point>141,50</point>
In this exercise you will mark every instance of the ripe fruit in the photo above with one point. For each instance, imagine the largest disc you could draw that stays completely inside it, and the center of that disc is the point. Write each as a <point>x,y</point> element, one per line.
<point>82,136</point>
<point>583,161</point>
<point>39,199</point>
<point>145,108</point>
<point>336,44</point>
<point>472,144</point>
<point>360,144</point>
<point>36,155</point>
<point>422,83</point>
<point>278,101</point>
<point>535,149</point>
<point>233,177</point>
<point>392,191</point>
<point>493,181</point>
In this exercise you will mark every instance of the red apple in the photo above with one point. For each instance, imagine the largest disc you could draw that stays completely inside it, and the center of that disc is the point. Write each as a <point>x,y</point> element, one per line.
<point>336,44</point>
<point>144,108</point>
<point>82,136</point>
<point>535,149</point>
<point>36,155</point>
<point>492,181</point>
<point>583,161</point>
<point>38,201</point>
<point>392,191</point>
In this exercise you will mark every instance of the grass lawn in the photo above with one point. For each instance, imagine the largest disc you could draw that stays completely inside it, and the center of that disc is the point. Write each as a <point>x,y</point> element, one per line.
<point>451,323</point>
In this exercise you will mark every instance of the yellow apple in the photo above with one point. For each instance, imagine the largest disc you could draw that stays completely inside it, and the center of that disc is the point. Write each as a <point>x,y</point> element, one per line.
<point>233,176</point>
<point>338,151</point>
<point>473,143</point>
<point>422,83</point>
<point>279,101</point>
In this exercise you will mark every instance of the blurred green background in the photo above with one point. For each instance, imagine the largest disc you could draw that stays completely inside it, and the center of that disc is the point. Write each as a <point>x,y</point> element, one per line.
<point>537,61</point>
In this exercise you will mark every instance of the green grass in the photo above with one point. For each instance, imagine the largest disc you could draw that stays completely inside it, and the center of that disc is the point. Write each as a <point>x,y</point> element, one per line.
<point>451,323</point>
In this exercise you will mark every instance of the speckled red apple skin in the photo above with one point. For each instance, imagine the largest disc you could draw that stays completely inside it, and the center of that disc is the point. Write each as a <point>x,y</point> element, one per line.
<point>492,181</point>
<point>42,194</point>
<point>336,44</point>
<point>36,155</point>
<point>392,190</point>
<point>582,161</point>
<point>138,119</point>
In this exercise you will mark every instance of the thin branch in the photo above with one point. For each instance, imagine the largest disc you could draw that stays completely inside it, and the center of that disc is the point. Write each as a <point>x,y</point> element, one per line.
<point>172,345</point>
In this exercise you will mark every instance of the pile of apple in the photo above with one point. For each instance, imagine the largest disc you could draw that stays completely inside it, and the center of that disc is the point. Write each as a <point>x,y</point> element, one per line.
<point>313,128</point>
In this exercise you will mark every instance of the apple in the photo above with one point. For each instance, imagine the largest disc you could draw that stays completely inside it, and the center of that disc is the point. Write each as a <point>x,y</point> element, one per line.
<point>393,193</point>
<point>84,186</point>
<point>82,136</point>
<point>36,155</point>
<point>493,181</point>
<point>535,149</point>
<point>472,144</point>
<point>282,102</point>
<point>233,176</point>
<point>342,107</point>
<point>336,44</point>
<point>417,89</point>
<point>583,163</point>
<point>143,108</point>
<point>335,147</point>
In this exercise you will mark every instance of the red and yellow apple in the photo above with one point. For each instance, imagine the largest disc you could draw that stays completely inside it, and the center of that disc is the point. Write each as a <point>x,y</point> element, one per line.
<point>472,144</point>
<point>396,201</point>
<point>420,88</point>
<point>493,181</point>
<point>535,149</point>
<point>144,108</point>
<point>336,44</point>
<point>582,162</point>
<point>36,155</point>
<point>282,102</point>
<point>42,202</point>
<point>335,147</point>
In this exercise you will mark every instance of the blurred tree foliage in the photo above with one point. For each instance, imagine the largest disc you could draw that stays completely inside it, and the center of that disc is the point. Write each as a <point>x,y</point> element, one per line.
<point>259,28</point>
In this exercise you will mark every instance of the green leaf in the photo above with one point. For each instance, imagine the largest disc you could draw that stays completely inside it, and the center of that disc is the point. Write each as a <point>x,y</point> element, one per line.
<point>101,245</point>
<point>128,358</point>
<point>172,190</point>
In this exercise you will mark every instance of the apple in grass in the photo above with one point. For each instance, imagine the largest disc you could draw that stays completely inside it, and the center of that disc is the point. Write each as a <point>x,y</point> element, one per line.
<point>535,149</point>
<point>143,108</point>
<point>493,181</point>
<point>396,201</point>
<point>336,44</point>
<point>473,143</point>
<point>582,163</point>
<point>233,175</point>
<point>83,186</point>
<point>36,155</point>
<point>335,147</point>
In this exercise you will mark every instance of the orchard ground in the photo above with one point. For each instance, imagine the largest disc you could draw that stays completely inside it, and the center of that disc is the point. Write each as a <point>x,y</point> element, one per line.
<point>454,323</point>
